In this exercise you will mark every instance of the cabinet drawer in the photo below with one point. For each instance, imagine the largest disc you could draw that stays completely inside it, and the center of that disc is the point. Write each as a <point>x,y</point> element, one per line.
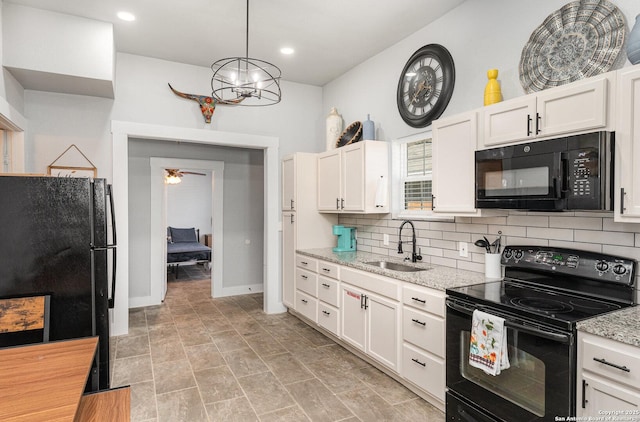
<point>328,270</point>
<point>424,370</point>
<point>599,355</point>
<point>307,306</point>
<point>328,291</point>
<point>374,283</point>
<point>306,262</point>
<point>423,330</point>
<point>425,299</point>
<point>307,281</point>
<point>329,318</point>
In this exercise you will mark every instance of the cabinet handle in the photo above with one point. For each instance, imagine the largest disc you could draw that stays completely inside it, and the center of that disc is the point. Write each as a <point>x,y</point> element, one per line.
<point>538,123</point>
<point>622,368</point>
<point>292,220</point>
<point>366,302</point>
<point>304,301</point>
<point>584,399</point>
<point>622,201</point>
<point>417,321</point>
<point>361,301</point>
<point>528,125</point>
<point>337,203</point>
<point>326,270</point>
<point>304,263</point>
<point>303,276</point>
<point>326,285</point>
<point>418,300</point>
<point>292,204</point>
<point>433,202</point>
<point>418,362</point>
<point>326,313</point>
<point>342,203</point>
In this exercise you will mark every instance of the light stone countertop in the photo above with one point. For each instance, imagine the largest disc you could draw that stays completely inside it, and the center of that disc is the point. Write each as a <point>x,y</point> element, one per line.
<point>622,326</point>
<point>435,276</point>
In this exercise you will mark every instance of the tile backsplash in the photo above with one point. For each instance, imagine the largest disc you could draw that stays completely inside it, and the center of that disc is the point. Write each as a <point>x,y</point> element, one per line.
<point>438,240</point>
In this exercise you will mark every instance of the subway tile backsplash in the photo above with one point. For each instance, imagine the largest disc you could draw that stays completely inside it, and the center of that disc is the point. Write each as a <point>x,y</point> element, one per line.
<point>439,240</point>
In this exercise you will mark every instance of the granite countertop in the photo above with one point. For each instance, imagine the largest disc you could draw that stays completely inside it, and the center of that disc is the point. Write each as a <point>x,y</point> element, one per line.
<point>435,276</point>
<point>622,326</point>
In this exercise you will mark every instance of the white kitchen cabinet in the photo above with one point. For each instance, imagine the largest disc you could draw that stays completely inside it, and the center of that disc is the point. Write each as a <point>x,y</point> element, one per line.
<point>581,106</point>
<point>608,377</point>
<point>423,335</point>
<point>328,293</point>
<point>288,183</point>
<point>453,184</point>
<point>627,159</point>
<point>371,317</point>
<point>349,178</point>
<point>303,227</point>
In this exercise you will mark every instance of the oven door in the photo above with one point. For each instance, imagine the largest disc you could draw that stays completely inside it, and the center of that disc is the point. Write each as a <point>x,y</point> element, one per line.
<point>528,176</point>
<point>539,385</point>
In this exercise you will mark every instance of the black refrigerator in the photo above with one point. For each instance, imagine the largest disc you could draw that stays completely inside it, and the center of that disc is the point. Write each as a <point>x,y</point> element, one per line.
<point>57,237</point>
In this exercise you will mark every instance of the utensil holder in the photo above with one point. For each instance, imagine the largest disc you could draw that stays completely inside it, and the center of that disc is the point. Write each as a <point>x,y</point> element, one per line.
<point>492,266</point>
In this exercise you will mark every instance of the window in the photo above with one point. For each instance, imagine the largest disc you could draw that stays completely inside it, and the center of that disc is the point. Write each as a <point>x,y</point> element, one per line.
<point>412,176</point>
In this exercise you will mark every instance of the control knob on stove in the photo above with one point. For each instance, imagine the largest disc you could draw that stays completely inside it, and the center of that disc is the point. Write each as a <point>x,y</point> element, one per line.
<point>602,266</point>
<point>519,254</point>
<point>508,253</point>
<point>619,269</point>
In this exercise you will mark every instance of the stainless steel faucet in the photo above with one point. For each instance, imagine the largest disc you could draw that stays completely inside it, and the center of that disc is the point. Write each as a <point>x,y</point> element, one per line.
<point>415,257</point>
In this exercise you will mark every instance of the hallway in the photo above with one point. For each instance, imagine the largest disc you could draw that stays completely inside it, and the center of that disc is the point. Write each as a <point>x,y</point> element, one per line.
<point>200,359</point>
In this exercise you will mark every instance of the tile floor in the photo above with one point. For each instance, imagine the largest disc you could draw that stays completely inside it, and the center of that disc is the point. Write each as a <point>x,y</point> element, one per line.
<point>200,359</point>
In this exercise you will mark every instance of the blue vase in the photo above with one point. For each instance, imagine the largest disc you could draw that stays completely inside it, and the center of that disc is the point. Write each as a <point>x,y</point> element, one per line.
<point>368,130</point>
<point>633,43</point>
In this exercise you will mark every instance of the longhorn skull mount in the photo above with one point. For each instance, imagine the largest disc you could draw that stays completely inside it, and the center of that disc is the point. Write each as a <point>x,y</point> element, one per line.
<point>207,104</point>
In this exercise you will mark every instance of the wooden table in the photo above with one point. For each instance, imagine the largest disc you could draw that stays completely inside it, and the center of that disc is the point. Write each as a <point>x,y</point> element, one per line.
<point>44,382</point>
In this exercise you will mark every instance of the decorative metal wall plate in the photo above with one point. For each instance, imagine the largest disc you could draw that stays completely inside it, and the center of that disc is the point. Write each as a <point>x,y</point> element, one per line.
<point>579,40</point>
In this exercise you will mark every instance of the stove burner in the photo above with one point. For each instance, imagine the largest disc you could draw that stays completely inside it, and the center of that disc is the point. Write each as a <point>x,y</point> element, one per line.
<point>590,304</point>
<point>547,306</point>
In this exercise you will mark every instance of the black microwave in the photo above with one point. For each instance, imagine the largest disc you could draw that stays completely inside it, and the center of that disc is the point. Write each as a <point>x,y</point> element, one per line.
<point>570,173</point>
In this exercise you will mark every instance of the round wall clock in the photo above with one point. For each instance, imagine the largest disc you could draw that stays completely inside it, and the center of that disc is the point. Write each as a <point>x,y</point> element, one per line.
<point>426,85</point>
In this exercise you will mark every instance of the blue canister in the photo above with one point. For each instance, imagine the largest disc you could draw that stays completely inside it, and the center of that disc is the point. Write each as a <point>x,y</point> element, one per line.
<point>368,130</point>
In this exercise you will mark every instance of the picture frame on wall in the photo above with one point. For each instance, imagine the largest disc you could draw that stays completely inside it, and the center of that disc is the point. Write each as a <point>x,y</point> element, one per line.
<point>72,170</point>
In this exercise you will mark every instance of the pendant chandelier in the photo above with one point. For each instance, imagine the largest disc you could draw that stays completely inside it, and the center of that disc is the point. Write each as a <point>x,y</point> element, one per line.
<point>245,80</point>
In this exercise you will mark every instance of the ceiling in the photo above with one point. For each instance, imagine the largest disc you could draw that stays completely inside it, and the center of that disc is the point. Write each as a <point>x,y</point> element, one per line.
<point>329,36</point>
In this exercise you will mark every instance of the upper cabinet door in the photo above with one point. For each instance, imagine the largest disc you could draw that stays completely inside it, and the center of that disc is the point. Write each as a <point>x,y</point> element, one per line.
<point>454,141</point>
<point>353,183</point>
<point>576,107</point>
<point>288,183</point>
<point>329,190</point>
<point>627,180</point>
<point>509,121</point>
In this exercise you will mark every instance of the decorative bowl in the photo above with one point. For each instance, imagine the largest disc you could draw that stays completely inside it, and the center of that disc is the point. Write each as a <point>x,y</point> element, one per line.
<point>351,135</point>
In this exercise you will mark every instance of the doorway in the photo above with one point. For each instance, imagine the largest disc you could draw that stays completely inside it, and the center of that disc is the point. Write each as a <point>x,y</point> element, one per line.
<point>158,216</point>
<point>122,132</point>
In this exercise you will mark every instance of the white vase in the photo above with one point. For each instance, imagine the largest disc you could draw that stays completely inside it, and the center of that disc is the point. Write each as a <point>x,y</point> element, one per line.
<point>334,128</point>
<point>633,43</point>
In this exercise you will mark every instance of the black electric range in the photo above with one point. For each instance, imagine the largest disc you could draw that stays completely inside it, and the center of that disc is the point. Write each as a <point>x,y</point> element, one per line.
<point>555,286</point>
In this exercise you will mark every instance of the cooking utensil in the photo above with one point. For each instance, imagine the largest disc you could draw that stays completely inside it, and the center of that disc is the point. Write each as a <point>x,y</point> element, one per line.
<point>483,244</point>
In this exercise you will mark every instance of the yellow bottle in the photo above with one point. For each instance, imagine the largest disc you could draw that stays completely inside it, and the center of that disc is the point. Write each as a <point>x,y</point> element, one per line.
<point>492,93</point>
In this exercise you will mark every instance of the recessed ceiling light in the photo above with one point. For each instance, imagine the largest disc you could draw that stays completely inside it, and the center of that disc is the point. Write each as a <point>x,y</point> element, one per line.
<point>287,50</point>
<point>126,16</point>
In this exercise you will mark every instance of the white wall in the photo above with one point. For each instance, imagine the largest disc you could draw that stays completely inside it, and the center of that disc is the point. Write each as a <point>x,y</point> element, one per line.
<point>192,194</point>
<point>480,35</point>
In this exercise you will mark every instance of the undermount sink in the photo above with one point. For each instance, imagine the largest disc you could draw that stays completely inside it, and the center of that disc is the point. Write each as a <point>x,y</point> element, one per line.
<point>394,266</point>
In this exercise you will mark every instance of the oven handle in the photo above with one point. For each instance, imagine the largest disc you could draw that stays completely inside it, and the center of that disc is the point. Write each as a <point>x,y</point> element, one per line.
<point>532,329</point>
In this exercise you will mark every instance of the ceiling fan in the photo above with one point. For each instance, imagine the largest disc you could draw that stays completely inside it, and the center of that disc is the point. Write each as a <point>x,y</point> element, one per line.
<point>174,176</point>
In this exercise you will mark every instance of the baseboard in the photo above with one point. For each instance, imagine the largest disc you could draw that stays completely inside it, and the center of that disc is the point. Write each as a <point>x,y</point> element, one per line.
<point>239,290</point>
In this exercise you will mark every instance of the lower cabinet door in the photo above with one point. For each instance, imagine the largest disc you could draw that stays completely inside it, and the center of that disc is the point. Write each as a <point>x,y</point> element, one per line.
<point>383,330</point>
<point>599,394</point>
<point>307,306</point>
<point>329,318</point>
<point>424,370</point>
<point>353,317</point>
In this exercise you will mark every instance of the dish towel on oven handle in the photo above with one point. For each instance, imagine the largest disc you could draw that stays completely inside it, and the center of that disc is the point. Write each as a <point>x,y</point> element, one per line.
<point>488,343</point>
